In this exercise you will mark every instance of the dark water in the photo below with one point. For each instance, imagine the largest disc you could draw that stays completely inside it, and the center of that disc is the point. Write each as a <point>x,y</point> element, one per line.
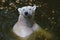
<point>47,16</point>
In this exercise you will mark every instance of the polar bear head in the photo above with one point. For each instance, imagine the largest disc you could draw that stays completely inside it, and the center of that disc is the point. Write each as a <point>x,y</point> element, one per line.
<point>27,11</point>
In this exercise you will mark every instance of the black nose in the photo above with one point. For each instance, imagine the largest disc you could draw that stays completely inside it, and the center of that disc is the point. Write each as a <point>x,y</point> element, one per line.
<point>26,13</point>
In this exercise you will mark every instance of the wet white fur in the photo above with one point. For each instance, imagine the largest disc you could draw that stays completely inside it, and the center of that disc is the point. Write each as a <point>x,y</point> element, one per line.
<point>21,28</point>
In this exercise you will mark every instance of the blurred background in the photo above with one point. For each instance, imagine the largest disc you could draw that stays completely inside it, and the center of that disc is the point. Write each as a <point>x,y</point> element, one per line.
<point>47,16</point>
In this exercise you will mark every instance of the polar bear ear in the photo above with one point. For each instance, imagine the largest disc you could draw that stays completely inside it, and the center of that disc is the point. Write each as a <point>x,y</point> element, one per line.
<point>34,7</point>
<point>19,10</point>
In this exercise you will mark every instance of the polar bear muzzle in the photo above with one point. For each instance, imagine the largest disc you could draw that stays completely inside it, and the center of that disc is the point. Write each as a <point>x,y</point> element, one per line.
<point>26,13</point>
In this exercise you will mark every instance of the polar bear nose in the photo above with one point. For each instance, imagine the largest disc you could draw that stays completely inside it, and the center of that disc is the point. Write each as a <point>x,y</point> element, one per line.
<point>26,13</point>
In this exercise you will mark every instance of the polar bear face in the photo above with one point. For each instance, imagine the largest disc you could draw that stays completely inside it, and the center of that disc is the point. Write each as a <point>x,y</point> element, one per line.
<point>27,11</point>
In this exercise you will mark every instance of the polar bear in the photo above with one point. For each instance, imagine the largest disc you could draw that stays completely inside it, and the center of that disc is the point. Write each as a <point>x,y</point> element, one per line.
<point>26,25</point>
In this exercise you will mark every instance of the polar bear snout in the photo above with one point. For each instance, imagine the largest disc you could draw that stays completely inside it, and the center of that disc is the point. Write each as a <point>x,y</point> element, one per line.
<point>26,13</point>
